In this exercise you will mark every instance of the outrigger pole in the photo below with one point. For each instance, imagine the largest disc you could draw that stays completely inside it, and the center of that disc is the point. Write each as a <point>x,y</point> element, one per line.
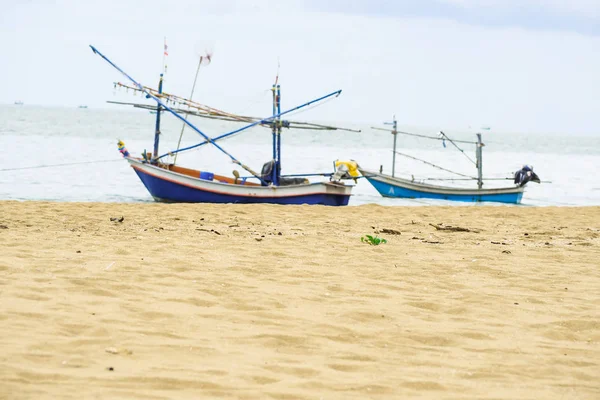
<point>160,103</point>
<point>262,121</point>
<point>441,137</point>
<point>213,113</point>
<point>204,111</point>
<point>208,139</point>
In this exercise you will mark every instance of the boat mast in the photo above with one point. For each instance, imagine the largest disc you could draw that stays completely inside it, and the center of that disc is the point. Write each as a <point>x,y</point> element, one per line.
<point>479,154</point>
<point>158,111</point>
<point>395,133</point>
<point>274,131</point>
<point>278,121</point>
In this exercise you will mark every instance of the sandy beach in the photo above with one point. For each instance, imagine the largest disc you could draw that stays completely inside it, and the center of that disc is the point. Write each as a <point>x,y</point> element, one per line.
<point>285,302</point>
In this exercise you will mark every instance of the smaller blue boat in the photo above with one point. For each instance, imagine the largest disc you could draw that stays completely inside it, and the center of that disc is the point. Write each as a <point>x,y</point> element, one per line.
<point>392,186</point>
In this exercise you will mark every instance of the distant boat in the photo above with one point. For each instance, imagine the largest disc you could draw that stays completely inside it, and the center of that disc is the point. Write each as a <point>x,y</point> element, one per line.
<point>82,106</point>
<point>18,103</point>
<point>393,186</point>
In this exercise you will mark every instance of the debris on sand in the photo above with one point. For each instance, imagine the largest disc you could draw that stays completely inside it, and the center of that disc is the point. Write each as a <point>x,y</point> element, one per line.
<point>450,228</point>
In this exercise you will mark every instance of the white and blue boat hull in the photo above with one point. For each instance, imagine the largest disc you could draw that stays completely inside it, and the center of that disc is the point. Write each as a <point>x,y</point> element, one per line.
<point>389,186</point>
<point>169,186</point>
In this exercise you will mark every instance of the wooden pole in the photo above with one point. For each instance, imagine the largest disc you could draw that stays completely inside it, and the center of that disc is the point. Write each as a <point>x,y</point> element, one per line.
<point>479,155</point>
<point>157,130</point>
<point>395,133</point>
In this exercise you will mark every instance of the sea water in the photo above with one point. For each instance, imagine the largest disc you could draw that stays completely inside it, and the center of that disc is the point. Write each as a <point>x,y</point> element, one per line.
<point>70,154</point>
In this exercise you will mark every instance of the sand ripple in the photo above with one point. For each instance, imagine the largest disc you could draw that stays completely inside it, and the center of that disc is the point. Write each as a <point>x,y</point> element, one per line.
<point>237,301</point>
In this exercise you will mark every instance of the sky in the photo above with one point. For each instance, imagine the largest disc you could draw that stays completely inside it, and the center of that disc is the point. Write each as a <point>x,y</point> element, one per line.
<point>517,66</point>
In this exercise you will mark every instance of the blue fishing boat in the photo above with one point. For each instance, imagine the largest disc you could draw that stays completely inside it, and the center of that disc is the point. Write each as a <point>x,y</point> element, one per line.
<point>168,182</point>
<point>393,186</point>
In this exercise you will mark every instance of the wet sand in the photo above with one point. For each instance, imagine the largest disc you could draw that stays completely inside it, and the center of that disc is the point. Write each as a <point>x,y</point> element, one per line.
<point>286,302</point>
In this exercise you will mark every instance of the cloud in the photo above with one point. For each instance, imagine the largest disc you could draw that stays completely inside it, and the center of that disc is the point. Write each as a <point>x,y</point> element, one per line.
<point>430,71</point>
<point>581,8</point>
<point>581,16</point>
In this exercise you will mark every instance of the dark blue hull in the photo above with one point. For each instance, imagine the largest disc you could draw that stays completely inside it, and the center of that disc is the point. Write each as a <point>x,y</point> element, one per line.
<point>169,190</point>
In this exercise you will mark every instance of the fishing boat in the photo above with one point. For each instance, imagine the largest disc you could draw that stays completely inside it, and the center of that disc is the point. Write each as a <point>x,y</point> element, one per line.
<point>18,103</point>
<point>168,182</point>
<point>393,186</point>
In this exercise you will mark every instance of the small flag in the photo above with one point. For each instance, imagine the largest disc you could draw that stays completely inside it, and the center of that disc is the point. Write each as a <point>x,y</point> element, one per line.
<point>206,59</point>
<point>165,53</point>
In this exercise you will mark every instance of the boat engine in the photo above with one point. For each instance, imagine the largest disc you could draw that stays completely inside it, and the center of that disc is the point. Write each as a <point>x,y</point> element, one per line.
<point>267,176</point>
<point>525,175</point>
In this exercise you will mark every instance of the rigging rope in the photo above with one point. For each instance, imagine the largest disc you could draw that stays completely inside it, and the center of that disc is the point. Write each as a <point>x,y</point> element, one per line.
<point>436,166</point>
<point>251,100</point>
<point>459,149</point>
<point>312,106</point>
<point>59,165</point>
<point>466,179</point>
<point>208,57</point>
<point>442,137</point>
<point>203,109</point>
<point>424,136</point>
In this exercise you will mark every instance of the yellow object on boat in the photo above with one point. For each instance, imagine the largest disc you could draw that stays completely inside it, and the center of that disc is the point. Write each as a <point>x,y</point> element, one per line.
<point>351,165</point>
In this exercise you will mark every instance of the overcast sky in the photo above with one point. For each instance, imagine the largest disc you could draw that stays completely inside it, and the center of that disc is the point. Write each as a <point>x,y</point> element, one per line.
<point>523,65</point>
